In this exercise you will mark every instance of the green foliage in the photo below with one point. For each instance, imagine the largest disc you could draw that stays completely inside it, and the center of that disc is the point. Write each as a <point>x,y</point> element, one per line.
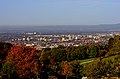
<point>114,45</point>
<point>76,69</point>
<point>88,60</point>
<point>4,49</point>
<point>59,54</point>
<point>8,68</point>
<point>104,67</point>
<point>93,51</point>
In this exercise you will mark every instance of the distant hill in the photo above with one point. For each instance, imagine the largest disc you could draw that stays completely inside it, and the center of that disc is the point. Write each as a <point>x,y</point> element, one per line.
<point>62,28</point>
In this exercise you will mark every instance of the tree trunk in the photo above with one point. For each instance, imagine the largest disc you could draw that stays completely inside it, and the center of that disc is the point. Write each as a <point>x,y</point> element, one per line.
<point>66,76</point>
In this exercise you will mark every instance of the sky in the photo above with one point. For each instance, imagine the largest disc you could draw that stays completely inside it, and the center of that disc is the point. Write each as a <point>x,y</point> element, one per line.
<point>59,12</point>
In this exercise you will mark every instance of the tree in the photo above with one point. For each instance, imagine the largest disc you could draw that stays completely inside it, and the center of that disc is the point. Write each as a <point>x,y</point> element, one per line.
<point>4,49</point>
<point>110,43</point>
<point>25,61</point>
<point>59,54</point>
<point>104,67</point>
<point>93,51</point>
<point>76,69</point>
<point>8,69</point>
<point>66,69</point>
<point>114,45</point>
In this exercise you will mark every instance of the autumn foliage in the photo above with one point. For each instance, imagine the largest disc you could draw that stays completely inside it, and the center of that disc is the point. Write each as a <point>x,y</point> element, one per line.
<point>24,60</point>
<point>66,68</point>
<point>70,62</point>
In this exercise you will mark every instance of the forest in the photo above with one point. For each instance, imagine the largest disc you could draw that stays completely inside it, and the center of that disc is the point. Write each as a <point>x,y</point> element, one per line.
<point>91,60</point>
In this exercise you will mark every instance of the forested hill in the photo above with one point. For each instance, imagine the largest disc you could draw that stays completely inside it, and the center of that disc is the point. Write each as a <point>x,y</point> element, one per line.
<point>92,60</point>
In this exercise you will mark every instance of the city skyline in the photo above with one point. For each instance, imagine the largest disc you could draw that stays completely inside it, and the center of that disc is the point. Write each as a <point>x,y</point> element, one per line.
<point>64,12</point>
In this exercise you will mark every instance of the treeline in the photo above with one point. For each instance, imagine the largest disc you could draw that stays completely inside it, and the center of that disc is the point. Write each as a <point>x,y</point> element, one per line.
<point>63,62</point>
<point>75,53</point>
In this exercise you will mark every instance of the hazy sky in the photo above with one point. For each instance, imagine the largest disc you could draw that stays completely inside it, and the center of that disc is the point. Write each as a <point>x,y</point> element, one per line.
<point>59,12</point>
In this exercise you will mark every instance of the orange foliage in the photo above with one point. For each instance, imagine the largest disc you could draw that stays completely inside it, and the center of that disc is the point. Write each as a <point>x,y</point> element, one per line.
<point>25,61</point>
<point>66,68</point>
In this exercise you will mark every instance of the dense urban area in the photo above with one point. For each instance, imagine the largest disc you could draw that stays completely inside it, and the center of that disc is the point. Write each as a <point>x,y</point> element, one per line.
<point>40,41</point>
<point>32,55</point>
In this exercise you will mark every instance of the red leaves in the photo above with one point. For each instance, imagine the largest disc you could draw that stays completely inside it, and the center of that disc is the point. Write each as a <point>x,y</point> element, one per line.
<point>25,60</point>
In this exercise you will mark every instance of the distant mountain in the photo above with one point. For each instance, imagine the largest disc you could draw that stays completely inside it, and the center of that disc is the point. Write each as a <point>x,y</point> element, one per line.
<point>62,28</point>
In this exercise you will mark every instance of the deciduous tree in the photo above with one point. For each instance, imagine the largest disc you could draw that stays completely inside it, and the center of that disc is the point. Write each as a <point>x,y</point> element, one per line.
<point>66,69</point>
<point>25,61</point>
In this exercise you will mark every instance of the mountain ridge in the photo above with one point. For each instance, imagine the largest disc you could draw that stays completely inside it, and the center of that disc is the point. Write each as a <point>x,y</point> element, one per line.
<point>62,28</point>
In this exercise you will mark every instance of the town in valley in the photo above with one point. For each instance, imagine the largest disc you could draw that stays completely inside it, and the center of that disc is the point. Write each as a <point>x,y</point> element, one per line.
<point>40,41</point>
